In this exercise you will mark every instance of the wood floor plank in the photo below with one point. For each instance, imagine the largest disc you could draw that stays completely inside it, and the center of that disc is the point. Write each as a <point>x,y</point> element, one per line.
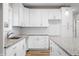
<point>38,53</point>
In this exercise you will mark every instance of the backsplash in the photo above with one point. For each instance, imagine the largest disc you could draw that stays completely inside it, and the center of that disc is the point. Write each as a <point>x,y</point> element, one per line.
<point>34,30</point>
<point>16,30</point>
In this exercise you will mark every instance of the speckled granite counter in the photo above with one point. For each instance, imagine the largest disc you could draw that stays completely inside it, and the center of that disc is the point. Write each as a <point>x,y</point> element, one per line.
<point>68,44</point>
<point>37,34</point>
<point>11,42</point>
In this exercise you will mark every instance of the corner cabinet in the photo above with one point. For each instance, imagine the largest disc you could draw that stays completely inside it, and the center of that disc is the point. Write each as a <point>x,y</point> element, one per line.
<point>18,49</point>
<point>17,14</point>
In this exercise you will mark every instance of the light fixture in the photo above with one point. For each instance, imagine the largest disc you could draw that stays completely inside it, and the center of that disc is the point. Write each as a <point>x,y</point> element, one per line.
<point>66,13</point>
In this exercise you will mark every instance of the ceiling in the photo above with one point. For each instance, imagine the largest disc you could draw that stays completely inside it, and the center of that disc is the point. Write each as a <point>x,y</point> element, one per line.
<point>52,5</point>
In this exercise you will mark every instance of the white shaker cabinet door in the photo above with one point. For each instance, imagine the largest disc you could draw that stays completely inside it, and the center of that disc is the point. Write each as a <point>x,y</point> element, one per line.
<point>21,48</point>
<point>44,17</point>
<point>43,42</point>
<point>35,17</point>
<point>26,17</point>
<point>32,42</point>
<point>15,15</point>
<point>21,19</point>
<point>38,42</point>
<point>54,14</point>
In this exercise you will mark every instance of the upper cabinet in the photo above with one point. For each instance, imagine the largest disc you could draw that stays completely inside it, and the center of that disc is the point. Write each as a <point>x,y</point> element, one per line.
<point>44,17</point>
<point>35,18</point>
<point>25,17</point>
<point>15,15</point>
<point>54,14</point>
<point>20,14</point>
<point>7,13</point>
<point>38,18</point>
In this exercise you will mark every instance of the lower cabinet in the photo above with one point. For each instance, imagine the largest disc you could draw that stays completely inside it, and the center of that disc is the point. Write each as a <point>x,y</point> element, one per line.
<point>38,42</point>
<point>56,50</point>
<point>17,49</point>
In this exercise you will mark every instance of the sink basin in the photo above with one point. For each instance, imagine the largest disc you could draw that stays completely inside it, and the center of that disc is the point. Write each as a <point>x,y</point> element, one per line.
<point>14,37</point>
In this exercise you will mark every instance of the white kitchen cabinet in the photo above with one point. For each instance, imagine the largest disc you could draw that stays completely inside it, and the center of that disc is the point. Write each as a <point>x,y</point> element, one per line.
<point>21,19</point>
<point>21,48</point>
<point>35,17</point>
<point>7,13</point>
<point>10,17</point>
<point>54,14</point>
<point>26,17</point>
<point>17,14</point>
<point>38,17</point>
<point>38,42</point>
<point>16,21</point>
<point>67,22</point>
<point>56,50</point>
<point>44,17</point>
<point>17,49</point>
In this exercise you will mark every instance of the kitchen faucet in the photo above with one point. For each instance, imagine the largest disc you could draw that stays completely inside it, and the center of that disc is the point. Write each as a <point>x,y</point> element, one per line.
<point>9,33</point>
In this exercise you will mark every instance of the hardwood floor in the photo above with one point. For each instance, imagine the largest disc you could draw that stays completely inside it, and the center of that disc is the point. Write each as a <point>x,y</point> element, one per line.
<point>38,53</point>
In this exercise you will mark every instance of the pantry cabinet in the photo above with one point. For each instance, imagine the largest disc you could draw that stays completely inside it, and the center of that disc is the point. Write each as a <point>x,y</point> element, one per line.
<point>67,22</point>
<point>17,49</point>
<point>38,42</point>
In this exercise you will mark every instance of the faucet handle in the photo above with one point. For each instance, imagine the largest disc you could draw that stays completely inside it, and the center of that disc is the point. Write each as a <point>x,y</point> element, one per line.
<point>9,33</point>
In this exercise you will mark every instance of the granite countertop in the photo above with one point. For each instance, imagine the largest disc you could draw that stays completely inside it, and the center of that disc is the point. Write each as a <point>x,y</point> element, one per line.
<point>36,34</point>
<point>67,44</point>
<point>11,42</point>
